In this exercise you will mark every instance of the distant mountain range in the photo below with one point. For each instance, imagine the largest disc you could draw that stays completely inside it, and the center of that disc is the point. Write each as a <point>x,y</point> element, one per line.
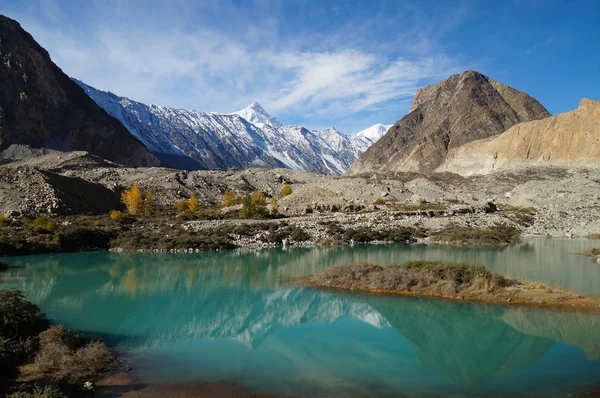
<point>43,108</point>
<point>248,138</point>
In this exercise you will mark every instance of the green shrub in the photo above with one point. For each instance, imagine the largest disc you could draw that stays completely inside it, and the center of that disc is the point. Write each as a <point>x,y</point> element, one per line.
<point>173,239</point>
<point>363,235</point>
<point>79,239</point>
<point>43,224</point>
<point>379,201</point>
<point>299,235</point>
<point>20,323</point>
<point>497,235</point>
<point>10,360</point>
<point>246,211</point>
<point>20,318</point>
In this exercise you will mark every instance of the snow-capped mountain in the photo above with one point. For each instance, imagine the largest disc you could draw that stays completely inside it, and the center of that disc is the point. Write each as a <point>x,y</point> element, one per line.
<point>375,132</point>
<point>248,138</point>
<point>256,115</point>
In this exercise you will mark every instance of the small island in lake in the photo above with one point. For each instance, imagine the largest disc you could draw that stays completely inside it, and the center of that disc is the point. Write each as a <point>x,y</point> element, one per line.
<point>458,281</point>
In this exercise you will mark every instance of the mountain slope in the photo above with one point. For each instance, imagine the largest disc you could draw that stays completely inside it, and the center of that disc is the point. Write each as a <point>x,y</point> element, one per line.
<point>459,110</point>
<point>248,138</point>
<point>570,139</point>
<point>40,106</point>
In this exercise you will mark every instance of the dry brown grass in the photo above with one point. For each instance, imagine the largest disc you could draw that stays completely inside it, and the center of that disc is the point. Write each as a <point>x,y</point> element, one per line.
<point>62,357</point>
<point>38,392</point>
<point>459,281</point>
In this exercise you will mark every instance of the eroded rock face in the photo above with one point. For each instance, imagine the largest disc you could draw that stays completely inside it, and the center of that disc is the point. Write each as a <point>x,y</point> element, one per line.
<point>42,107</point>
<point>461,109</point>
<point>570,139</point>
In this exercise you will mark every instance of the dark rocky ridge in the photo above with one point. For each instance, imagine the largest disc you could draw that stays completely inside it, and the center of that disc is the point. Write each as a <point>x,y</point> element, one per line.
<point>461,109</point>
<point>42,107</point>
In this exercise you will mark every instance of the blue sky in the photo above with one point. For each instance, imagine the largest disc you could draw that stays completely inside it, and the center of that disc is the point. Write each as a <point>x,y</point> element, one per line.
<point>348,64</point>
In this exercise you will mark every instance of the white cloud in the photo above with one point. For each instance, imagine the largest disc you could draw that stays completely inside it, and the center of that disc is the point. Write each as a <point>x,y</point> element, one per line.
<point>206,68</point>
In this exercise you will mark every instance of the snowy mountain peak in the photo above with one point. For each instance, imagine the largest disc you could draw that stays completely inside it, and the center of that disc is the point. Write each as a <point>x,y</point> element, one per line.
<point>249,138</point>
<point>257,115</point>
<point>374,132</point>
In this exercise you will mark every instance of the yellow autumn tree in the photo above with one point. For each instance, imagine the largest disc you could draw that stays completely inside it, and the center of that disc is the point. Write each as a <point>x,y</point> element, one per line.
<point>193,202</point>
<point>285,191</point>
<point>258,203</point>
<point>258,199</point>
<point>148,202</point>
<point>229,198</point>
<point>181,207</point>
<point>133,199</point>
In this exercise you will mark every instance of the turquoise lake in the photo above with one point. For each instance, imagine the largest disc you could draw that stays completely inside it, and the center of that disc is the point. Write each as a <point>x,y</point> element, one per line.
<point>234,316</point>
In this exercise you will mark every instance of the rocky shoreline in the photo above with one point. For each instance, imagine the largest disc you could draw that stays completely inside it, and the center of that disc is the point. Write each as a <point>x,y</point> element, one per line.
<point>345,229</point>
<point>322,210</point>
<point>484,225</point>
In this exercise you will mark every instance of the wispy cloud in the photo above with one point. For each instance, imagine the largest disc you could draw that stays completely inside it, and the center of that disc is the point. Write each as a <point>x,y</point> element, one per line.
<point>182,59</point>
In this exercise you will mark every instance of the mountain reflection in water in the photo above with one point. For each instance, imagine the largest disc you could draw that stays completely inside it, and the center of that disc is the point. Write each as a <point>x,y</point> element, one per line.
<point>235,316</point>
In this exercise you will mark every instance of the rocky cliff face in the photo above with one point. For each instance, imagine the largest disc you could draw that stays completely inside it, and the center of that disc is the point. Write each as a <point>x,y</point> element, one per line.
<point>42,107</point>
<point>570,139</point>
<point>461,109</point>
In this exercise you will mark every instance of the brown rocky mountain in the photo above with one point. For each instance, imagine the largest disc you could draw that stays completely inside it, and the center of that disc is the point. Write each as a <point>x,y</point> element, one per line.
<point>41,106</point>
<point>570,139</point>
<point>464,108</point>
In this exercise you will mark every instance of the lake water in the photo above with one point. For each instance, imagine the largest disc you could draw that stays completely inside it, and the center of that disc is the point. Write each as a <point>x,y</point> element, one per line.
<point>234,316</point>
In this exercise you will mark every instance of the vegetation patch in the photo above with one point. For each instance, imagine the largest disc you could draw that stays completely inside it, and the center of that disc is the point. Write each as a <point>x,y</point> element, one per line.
<point>524,216</point>
<point>76,238</point>
<point>38,392</point>
<point>448,278</point>
<point>20,323</point>
<point>46,235</point>
<point>28,342</point>
<point>500,234</point>
<point>339,234</point>
<point>64,358</point>
<point>171,238</point>
<point>594,253</point>
<point>464,281</point>
<point>424,206</point>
